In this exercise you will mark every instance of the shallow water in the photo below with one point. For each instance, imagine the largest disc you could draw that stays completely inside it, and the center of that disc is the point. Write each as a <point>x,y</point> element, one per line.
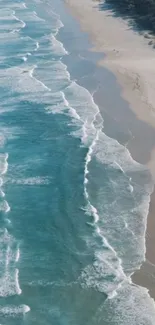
<point>73,202</point>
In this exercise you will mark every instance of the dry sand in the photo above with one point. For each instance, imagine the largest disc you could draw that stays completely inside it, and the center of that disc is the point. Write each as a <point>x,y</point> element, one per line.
<point>130,57</point>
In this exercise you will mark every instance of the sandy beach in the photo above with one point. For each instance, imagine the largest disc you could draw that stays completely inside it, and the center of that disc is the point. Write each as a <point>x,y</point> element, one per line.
<point>129,55</point>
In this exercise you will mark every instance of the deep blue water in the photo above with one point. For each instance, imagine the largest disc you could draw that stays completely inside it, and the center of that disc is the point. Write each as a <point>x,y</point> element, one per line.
<point>73,202</point>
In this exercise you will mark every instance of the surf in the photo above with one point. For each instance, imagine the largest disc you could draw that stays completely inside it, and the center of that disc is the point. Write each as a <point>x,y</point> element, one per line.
<point>41,81</point>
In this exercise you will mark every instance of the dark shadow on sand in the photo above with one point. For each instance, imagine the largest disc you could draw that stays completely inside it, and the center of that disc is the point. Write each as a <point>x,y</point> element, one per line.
<point>139,13</point>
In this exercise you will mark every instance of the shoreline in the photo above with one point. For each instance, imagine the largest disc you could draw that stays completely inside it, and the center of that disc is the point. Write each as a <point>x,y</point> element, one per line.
<point>136,88</point>
<point>146,275</point>
<point>134,72</point>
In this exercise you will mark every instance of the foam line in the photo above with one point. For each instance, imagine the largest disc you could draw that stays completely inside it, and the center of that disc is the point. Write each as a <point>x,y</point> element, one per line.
<point>17,255</point>
<point>14,310</point>
<point>58,47</point>
<point>6,207</point>
<point>7,260</point>
<point>5,168</point>
<point>71,109</point>
<point>37,46</point>
<point>18,289</point>
<point>38,81</point>
<point>21,21</point>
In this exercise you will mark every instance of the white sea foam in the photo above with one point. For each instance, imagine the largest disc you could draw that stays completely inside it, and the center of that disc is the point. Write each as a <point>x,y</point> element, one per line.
<point>30,181</point>
<point>9,283</point>
<point>12,310</point>
<point>8,221</point>
<point>130,188</point>
<point>23,24</point>
<point>8,253</point>
<point>38,81</point>
<point>6,206</point>
<point>17,255</point>
<point>71,109</point>
<point>26,309</point>
<point>107,263</point>
<point>23,80</point>
<point>2,194</point>
<point>116,155</point>
<point>57,47</point>
<point>54,75</point>
<point>57,23</point>
<point>24,58</point>
<point>3,163</point>
<point>37,46</point>
<point>18,289</point>
<point>33,181</point>
<point>9,133</point>
<point>131,306</point>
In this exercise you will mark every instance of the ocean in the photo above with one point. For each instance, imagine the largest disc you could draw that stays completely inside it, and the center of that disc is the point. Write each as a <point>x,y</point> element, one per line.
<point>73,202</point>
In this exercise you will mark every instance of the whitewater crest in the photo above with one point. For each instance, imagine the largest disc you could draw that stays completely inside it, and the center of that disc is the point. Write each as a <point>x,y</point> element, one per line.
<point>9,279</point>
<point>10,252</point>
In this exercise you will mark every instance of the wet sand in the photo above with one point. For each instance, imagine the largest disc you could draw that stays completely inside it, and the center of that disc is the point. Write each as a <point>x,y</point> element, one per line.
<point>146,275</point>
<point>132,61</point>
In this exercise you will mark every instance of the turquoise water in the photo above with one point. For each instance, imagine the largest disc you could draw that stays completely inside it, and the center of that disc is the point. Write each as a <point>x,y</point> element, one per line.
<point>73,202</point>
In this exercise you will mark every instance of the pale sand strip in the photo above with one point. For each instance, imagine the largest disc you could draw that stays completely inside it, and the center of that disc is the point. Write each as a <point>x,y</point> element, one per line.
<point>128,55</point>
<point>132,60</point>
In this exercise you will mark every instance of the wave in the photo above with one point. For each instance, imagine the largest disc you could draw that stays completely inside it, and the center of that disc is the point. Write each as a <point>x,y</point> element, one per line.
<point>30,84</point>
<point>6,206</point>
<point>37,81</point>
<point>18,289</point>
<point>37,46</point>
<point>50,82</point>
<point>14,310</point>
<point>132,305</point>
<point>9,282</point>
<point>3,163</point>
<point>24,5</point>
<point>24,58</point>
<point>17,255</point>
<point>57,47</point>
<point>81,107</point>
<point>2,194</point>
<point>10,253</point>
<point>66,104</point>
<point>107,261</point>
<point>30,181</point>
<point>23,24</point>
<point>79,104</point>
<point>53,74</point>
<point>108,152</point>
